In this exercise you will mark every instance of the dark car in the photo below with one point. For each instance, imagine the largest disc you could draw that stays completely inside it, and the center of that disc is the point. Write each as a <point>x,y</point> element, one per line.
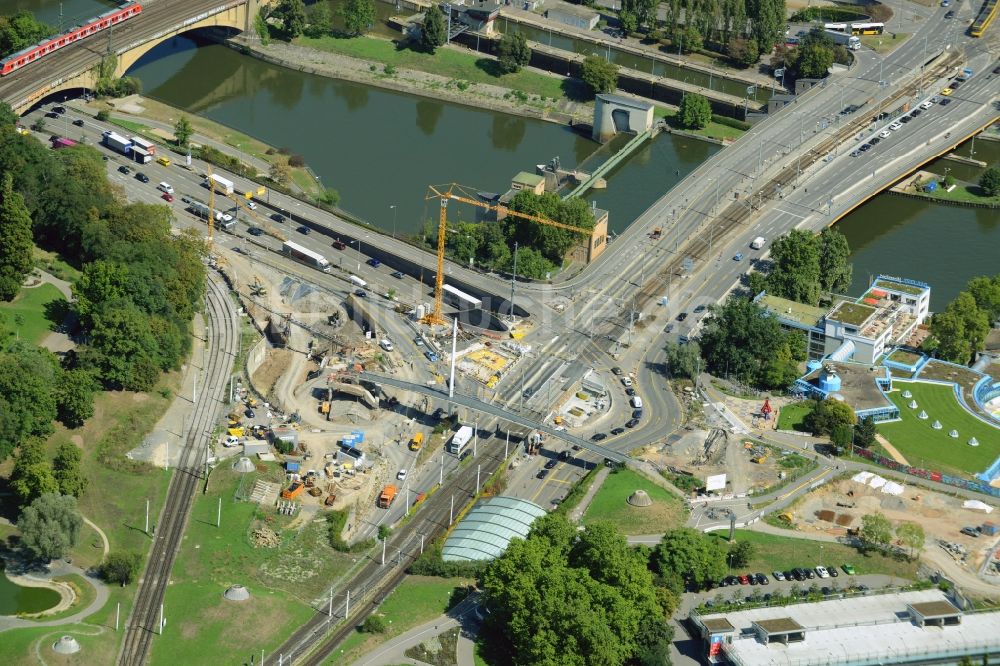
<point>397,274</point>
<point>124,169</point>
<point>789,575</point>
<point>874,140</point>
<point>865,147</point>
<point>762,579</point>
<point>682,316</point>
<point>916,112</point>
<point>630,391</point>
<point>360,293</point>
<point>255,231</point>
<point>970,531</point>
<point>731,580</point>
<point>631,423</point>
<point>598,436</point>
<point>798,574</point>
<point>304,230</point>
<point>905,119</point>
<point>616,371</point>
<point>949,15</point>
<point>996,70</point>
<point>636,414</point>
<point>810,574</point>
<point>668,328</point>
<point>278,217</point>
<point>832,571</point>
<point>752,578</point>
<point>700,308</point>
<point>542,473</point>
<point>78,122</point>
<point>955,85</point>
<point>564,455</point>
<point>617,431</point>
<point>550,464</point>
<point>250,413</point>
<point>374,263</point>
<point>945,102</point>
<point>59,109</point>
<point>141,177</point>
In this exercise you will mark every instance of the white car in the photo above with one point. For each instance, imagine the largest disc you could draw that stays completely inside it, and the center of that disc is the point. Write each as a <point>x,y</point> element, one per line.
<point>251,205</point>
<point>895,126</point>
<point>926,104</point>
<point>627,382</point>
<point>822,572</point>
<point>401,475</point>
<point>231,442</point>
<point>884,134</point>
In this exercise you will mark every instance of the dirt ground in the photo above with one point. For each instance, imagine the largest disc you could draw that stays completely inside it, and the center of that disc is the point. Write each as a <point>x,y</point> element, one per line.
<point>839,505</point>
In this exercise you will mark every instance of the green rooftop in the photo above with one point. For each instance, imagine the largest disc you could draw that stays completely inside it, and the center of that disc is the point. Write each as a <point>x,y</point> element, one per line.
<point>902,288</point>
<point>802,314</point>
<point>851,313</point>
<point>528,179</point>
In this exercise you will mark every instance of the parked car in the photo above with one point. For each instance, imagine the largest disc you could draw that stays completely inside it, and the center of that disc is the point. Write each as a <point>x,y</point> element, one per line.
<point>631,423</point>
<point>905,119</point>
<point>626,382</point>
<point>682,316</point>
<point>744,580</point>
<point>969,531</point>
<point>700,309</point>
<point>250,413</point>
<point>630,391</point>
<point>832,571</point>
<point>788,575</point>
<point>945,102</point>
<point>753,579</point>
<point>884,134</point>
<point>231,441</point>
<point>636,414</point>
<point>895,126</point>
<point>821,572</point>
<point>731,580</point>
<point>762,579</point>
<point>617,431</point>
<point>616,371</point>
<point>848,569</point>
<point>778,575</point>
<point>810,574</point>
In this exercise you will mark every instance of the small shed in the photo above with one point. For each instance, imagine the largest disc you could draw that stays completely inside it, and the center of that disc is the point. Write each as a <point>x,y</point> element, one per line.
<point>574,15</point>
<point>292,467</point>
<point>934,613</point>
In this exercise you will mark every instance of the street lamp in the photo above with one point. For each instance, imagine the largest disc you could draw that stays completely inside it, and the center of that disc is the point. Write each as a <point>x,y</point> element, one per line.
<point>358,241</point>
<point>393,208</point>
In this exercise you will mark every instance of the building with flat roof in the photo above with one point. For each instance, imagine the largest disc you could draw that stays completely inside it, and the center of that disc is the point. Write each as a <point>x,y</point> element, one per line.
<point>903,627</point>
<point>574,15</point>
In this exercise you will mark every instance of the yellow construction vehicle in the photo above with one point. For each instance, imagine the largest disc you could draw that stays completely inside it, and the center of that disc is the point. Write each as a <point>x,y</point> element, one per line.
<point>760,460</point>
<point>455,192</point>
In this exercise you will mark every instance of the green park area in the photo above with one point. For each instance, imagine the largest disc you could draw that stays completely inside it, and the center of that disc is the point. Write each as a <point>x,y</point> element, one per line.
<point>418,599</point>
<point>34,312</point>
<point>609,504</point>
<point>791,416</point>
<point>923,446</point>
<point>777,552</point>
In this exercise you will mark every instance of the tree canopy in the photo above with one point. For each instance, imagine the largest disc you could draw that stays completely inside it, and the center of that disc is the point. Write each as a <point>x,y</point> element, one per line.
<point>740,339</point>
<point>804,266</point>
<point>16,245</point>
<point>359,16</point>
<point>990,181</point>
<point>435,32</point>
<point>961,329</point>
<point>875,531</point>
<point>320,20</point>
<point>827,414</point>
<point>513,52</point>
<point>292,14</point>
<point>50,526</point>
<point>695,111</point>
<point>599,74</point>
<point>20,30</point>
<point>690,559</point>
<point>576,599</point>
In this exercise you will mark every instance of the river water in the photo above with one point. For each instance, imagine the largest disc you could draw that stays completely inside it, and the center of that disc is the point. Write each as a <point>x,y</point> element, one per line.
<point>48,11</point>
<point>15,599</point>
<point>380,148</point>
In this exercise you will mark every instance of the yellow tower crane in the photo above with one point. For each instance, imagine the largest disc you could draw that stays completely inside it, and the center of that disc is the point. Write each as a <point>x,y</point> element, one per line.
<point>454,191</point>
<point>266,226</point>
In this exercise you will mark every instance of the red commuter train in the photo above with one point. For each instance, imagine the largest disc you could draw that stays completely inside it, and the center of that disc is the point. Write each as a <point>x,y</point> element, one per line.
<point>43,48</point>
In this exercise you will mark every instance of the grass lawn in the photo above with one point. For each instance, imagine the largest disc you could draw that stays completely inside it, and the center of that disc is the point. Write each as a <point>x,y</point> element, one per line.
<point>934,449</point>
<point>418,599</point>
<point>883,44</point>
<point>39,307</point>
<point>50,262</point>
<point>790,416</point>
<point>282,581</point>
<point>130,125</point>
<point>785,552</point>
<point>666,512</point>
<point>714,130</point>
<point>963,192</point>
<point>17,647</point>
<point>451,63</point>
<point>85,595</point>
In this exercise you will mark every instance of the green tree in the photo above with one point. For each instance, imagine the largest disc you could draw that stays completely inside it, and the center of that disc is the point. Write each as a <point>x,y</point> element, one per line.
<point>321,19</point>
<point>599,74</point>
<point>183,130</point>
<point>961,329</point>
<point>864,432</point>
<point>841,436</point>
<point>643,10</point>
<point>795,272</point>
<point>67,472</point>
<point>986,292</point>
<point>875,532</point>
<point>695,111</point>
<point>683,360</point>
<point>990,181</point>
<point>744,52</point>
<point>292,14</point>
<point>552,242</point>
<point>912,536</point>
<point>280,173</point>
<point>628,21</point>
<point>21,30</point>
<point>513,52</point>
<point>827,415</point>
<point>767,21</point>
<point>27,401</point>
<point>75,398</point>
<point>121,568</point>
<point>814,61</point>
<point>16,243</point>
<point>32,474</point>
<point>435,32</point>
<point>741,553</point>
<point>50,526</point>
<point>835,267</point>
<point>359,16</point>
<point>688,558</point>
<point>375,624</point>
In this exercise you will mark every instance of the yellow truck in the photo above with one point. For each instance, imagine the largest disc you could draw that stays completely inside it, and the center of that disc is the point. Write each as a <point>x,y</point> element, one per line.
<point>417,441</point>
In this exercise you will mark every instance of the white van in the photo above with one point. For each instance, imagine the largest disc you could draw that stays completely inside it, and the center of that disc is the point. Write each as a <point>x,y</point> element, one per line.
<point>386,344</point>
<point>636,402</point>
<point>164,187</point>
<point>358,282</point>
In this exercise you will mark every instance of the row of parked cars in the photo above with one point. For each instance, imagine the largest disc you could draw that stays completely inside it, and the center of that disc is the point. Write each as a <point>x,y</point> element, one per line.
<point>798,574</point>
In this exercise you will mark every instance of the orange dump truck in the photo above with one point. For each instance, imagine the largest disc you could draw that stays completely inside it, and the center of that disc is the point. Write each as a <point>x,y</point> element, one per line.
<point>387,497</point>
<point>293,490</point>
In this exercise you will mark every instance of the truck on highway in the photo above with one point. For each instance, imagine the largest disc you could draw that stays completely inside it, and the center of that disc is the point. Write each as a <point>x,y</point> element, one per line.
<point>852,42</point>
<point>221,184</point>
<point>460,440</point>
<point>757,243</point>
<point>116,142</point>
<point>306,256</point>
<point>222,220</point>
<point>387,497</point>
<point>62,142</point>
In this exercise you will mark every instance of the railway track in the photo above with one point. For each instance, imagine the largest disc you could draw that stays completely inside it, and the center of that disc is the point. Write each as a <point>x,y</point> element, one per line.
<point>144,621</point>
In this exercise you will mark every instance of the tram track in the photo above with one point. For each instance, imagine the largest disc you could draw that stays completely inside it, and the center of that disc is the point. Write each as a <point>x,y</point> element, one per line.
<point>222,341</point>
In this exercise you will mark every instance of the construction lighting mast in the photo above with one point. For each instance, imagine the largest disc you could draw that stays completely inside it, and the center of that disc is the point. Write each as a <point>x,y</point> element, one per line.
<point>211,203</point>
<point>454,191</point>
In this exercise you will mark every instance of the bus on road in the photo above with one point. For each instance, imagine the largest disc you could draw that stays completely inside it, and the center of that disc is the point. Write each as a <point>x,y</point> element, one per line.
<point>460,299</point>
<point>306,256</point>
<point>867,28</point>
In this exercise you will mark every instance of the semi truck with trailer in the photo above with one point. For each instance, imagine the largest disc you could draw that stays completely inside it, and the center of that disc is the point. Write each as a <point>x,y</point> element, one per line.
<point>116,142</point>
<point>852,42</point>
<point>222,220</point>
<point>460,440</point>
<point>306,256</point>
<point>221,184</point>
